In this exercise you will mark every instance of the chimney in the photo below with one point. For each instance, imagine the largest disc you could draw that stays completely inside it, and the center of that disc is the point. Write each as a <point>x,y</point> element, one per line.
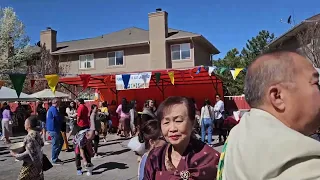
<point>158,32</point>
<point>49,38</point>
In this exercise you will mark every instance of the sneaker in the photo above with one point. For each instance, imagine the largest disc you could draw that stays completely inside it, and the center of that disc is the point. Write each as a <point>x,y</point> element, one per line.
<point>96,156</point>
<point>16,160</point>
<point>89,173</point>
<point>46,143</point>
<point>89,168</point>
<point>79,172</point>
<point>57,163</point>
<point>2,138</point>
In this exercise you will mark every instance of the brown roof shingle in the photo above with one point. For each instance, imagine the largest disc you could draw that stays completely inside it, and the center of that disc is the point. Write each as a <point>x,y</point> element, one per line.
<point>129,36</point>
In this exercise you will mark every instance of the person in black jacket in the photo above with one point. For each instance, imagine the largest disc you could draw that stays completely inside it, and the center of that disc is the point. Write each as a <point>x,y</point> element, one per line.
<point>42,115</point>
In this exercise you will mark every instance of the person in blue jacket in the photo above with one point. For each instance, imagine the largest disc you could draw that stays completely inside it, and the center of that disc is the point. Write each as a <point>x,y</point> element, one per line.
<point>53,124</point>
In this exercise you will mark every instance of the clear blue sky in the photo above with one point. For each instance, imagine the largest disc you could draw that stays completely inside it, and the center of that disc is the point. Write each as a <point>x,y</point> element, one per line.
<point>225,23</point>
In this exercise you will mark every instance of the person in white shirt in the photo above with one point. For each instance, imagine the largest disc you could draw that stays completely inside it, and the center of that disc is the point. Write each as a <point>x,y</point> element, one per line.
<point>206,121</point>
<point>219,119</point>
<point>71,111</point>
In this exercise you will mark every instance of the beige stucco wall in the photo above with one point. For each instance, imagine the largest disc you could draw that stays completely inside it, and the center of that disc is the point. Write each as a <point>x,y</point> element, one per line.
<point>201,56</point>
<point>135,59</point>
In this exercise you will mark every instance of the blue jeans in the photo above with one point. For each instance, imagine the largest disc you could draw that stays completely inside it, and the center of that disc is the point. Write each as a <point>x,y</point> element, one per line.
<point>109,122</point>
<point>43,125</point>
<point>206,125</point>
<point>57,142</point>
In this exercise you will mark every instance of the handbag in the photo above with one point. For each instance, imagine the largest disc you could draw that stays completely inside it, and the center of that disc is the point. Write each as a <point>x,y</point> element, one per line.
<point>46,164</point>
<point>136,146</point>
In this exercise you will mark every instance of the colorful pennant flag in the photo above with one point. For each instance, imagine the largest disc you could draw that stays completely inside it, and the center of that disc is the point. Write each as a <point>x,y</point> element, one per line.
<point>222,69</point>
<point>235,72</point>
<point>85,78</point>
<point>199,70</point>
<point>32,82</point>
<point>171,76</point>
<point>53,80</point>
<point>157,75</point>
<point>1,83</point>
<point>211,69</point>
<point>18,81</point>
<point>126,79</point>
<point>144,77</point>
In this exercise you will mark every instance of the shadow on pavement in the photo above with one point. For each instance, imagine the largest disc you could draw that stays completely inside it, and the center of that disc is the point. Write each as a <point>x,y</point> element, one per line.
<point>4,152</point>
<point>109,153</point>
<point>109,166</point>
<point>3,148</point>
<point>68,160</point>
<point>118,152</point>
<point>101,145</point>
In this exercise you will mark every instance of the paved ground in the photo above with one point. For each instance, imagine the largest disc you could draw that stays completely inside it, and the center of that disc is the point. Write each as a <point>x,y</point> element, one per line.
<point>117,162</point>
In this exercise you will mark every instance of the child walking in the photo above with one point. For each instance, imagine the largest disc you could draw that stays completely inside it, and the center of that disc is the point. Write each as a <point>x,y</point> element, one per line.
<point>83,149</point>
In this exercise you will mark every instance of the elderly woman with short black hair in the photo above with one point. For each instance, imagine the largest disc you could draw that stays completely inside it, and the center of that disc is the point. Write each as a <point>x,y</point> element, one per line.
<point>184,157</point>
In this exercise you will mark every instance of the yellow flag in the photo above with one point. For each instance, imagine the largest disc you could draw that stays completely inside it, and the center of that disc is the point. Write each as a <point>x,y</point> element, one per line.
<point>235,72</point>
<point>53,80</point>
<point>1,83</point>
<point>171,76</point>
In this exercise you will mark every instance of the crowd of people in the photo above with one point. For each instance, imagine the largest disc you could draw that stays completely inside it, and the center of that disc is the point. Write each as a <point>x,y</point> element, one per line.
<point>61,122</point>
<point>272,140</point>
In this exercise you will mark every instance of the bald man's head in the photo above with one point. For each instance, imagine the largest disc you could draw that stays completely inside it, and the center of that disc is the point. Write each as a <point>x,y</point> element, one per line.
<point>268,69</point>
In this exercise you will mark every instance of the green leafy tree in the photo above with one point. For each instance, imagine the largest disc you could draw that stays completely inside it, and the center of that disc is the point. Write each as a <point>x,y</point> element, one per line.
<point>234,59</point>
<point>14,49</point>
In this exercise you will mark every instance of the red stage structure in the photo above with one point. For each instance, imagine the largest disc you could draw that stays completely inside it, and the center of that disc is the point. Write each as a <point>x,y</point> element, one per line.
<point>186,83</point>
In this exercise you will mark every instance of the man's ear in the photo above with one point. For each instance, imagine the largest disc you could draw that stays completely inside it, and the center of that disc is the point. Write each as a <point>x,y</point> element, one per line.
<point>275,97</point>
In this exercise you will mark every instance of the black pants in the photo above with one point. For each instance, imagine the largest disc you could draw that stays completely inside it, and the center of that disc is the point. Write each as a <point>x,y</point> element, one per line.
<point>78,159</point>
<point>96,143</point>
<point>220,130</point>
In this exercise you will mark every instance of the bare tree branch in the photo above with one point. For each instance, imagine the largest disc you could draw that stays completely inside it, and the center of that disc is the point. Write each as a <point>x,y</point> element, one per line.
<point>44,64</point>
<point>309,40</point>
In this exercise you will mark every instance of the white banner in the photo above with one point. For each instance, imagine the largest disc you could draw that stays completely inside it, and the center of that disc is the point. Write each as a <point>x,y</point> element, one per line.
<point>137,81</point>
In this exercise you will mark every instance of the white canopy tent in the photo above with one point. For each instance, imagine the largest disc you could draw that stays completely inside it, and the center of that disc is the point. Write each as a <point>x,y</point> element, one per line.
<point>8,94</point>
<point>48,94</point>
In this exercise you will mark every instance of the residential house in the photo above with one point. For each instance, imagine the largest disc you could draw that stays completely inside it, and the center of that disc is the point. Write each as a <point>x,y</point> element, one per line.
<point>289,41</point>
<point>132,49</point>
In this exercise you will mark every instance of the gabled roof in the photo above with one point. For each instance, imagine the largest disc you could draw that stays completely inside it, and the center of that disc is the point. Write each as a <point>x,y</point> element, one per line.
<point>293,31</point>
<point>127,37</point>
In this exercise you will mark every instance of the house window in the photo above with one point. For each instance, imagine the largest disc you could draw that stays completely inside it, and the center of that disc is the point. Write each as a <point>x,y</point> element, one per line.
<point>180,51</point>
<point>86,61</point>
<point>115,58</point>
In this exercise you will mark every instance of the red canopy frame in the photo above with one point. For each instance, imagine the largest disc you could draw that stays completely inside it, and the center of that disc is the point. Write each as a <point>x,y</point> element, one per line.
<point>185,77</point>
